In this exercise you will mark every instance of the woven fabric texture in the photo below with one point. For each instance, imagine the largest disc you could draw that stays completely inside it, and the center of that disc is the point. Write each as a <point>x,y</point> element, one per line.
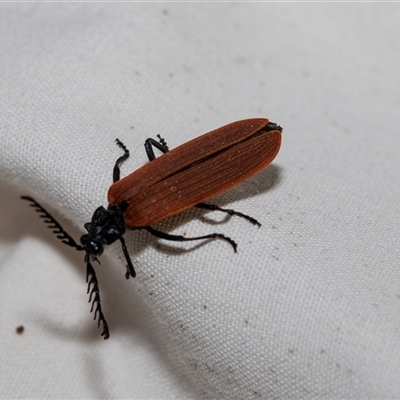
<point>309,307</point>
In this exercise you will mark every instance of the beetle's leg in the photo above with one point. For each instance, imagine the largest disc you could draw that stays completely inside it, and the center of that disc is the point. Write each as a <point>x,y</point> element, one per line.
<point>93,288</point>
<point>116,171</point>
<point>57,229</point>
<point>177,238</point>
<point>163,142</point>
<point>160,145</point>
<point>130,271</point>
<point>213,207</point>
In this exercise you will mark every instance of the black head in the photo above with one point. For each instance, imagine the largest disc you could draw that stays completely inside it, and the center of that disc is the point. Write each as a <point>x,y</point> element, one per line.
<point>107,226</point>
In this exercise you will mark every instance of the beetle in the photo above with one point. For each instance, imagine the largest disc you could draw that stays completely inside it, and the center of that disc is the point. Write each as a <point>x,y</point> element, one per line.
<point>177,180</point>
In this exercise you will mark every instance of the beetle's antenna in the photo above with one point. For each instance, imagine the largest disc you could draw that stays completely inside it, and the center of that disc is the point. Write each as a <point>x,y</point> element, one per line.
<point>93,289</point>
<point>57,229</point>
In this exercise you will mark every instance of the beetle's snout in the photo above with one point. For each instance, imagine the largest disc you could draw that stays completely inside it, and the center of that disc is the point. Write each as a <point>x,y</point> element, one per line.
<point>92,248</point>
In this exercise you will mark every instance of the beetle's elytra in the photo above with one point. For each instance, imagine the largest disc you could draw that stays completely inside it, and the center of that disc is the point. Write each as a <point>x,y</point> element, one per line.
<point>179,179</point>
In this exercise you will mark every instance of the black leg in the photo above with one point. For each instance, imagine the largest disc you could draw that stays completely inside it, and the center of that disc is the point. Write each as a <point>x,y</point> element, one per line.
<point>213,207</point>
<point>160,145</point>
<point>93,288</point>
<point>130,271</point>
<point>177,238</point>
<point>116,171</point>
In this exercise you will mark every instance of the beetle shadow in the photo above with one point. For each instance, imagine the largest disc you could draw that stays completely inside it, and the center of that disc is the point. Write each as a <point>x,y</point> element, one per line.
<point>261,183</point>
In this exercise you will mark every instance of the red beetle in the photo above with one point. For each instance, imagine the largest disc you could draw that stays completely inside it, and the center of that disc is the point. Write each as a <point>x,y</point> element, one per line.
<point>179,179</point>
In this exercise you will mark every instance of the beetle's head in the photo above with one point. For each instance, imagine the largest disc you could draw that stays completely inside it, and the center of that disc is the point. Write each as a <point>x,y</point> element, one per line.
<point>92,247</point>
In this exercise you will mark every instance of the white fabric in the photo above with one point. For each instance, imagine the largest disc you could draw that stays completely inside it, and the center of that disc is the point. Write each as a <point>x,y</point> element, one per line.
<point>310,305</point>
